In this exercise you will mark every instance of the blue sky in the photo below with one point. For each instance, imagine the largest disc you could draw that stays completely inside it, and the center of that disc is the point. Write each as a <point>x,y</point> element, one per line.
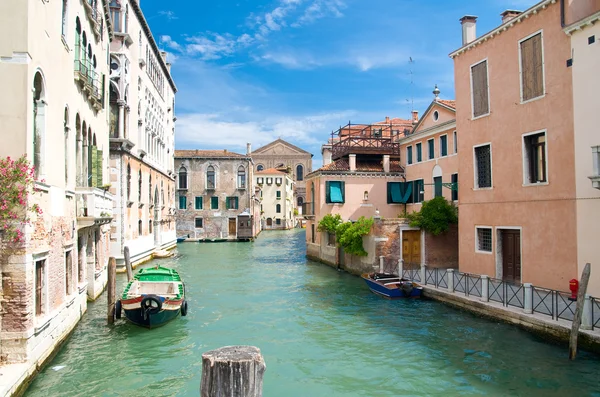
<point>255,70</point>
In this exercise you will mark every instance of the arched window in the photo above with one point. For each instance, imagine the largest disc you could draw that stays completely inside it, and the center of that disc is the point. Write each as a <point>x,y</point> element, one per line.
<point>183,178</point>
<point>299,173</point>
<point>39,124</point>
<point>278,208</point>
<point>128,182</point>
<point>67,138</point>
<point>140,186</point>
<point>149,189</point>
<point>64,17</point>
<point>260,167</point>
<point>300,201</point>
<point>78,151</point>
<point>115,15</point>
<point>241,180</point>
<point>150,226</point>
<point>210,177</point>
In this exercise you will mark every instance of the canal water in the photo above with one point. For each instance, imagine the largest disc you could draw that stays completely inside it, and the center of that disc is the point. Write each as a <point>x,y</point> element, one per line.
<point>321,332</point>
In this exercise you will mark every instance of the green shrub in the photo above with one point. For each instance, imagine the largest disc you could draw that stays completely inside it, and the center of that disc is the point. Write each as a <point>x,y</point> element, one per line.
<point>329,223</point>
<point>349,235</point>
<point>435,216</point>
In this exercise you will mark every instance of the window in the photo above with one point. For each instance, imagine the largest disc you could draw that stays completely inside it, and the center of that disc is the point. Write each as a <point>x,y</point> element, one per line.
<point>260,181</point>
<point>436,115</point>
<point>534,158</point>
<point>269,181</point>
<point>210,177</point>
<point>312,233</point>
<point>140,186</point>
<point>431,145</point>
<point>232,203</point>
<point>198,203</point>
<point>454,187</point>
<point>241,180</point>
<point>299,172</point>
<point>198,223</point>
<point>443,145</point>
<point>39,126</point>
<point>278,208</point>
<point>331,239</point>
<point>260,167</point>
<point>484,239</point>
<point>40,270</point>
<point>334,192</point>
<point>150,226</point>
<point>480,89</point>
<point>532,67</point>
<point>419,153</point>
<point>214,203</point>
<point>399,192</point>
<point>68,272</point>
<point>183,178</point>
<point>278,181</point>
<point>182,202</point>
<point>140,227</point>
<point>437,184</point>
<point>64,18</point>
<point>455,139</point>
<point>278,194</point>
<point>115,15</point>
<point>483,166</point>
<point>67,139</point>
<point>409,158</point>
<point>278,221</point>
<point>300,201</point>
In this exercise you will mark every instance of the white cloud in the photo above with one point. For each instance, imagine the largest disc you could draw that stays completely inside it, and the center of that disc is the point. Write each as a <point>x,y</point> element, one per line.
<point>319,9</point>
<point>170,43</point>
<point>170,15</point>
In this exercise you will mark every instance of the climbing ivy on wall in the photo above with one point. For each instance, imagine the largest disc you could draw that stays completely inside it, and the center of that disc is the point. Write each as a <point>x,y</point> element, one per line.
<point>329,223</point>
<point>350,234</point>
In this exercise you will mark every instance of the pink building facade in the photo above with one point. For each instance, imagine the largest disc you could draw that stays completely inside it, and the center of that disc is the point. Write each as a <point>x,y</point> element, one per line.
<point>515,115</point>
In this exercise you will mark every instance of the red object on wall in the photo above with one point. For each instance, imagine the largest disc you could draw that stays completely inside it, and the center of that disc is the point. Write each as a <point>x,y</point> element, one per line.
<point>574,287</point>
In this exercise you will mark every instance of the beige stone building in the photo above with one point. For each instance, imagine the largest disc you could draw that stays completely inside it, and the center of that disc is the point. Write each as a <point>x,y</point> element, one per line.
<point>215,195</point>
<point>583,28</point>
<point>282,154</point>
<point>54,67</point>
<point>276,199</point>
<point>142,137</point>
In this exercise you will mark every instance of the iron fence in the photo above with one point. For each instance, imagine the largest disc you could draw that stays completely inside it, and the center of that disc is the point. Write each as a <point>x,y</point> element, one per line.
<point>565,308</point>
<point>473,286</point>
<point>543,301</point>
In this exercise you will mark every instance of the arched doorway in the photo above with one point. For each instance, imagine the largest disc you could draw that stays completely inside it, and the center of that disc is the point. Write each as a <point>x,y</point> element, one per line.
<point>269,222</point>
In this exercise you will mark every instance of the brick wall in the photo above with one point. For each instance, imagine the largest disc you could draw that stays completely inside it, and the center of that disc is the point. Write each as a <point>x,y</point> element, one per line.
<point>442,251</point>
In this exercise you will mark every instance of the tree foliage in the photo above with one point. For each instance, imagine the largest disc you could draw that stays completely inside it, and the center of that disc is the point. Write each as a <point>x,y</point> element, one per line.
<point>435,216</point>
<point>329,223</point>
<point>350,234</point>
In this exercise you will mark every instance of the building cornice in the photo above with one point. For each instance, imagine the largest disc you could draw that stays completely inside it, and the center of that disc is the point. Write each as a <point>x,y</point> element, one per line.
<point>504,27</point>
<point>582,24</point>
<point>347,174</point>
<point>445,126</point>
<point>140,16</point>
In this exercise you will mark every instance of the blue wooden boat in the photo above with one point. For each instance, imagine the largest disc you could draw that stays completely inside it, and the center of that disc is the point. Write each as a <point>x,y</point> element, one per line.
<point>391,286</point>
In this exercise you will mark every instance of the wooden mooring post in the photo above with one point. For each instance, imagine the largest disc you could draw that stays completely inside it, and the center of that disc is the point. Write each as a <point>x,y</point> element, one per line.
<point>128,263</point>
<point>232,371</point>
<point>111,289</point>
<point>585,277</point>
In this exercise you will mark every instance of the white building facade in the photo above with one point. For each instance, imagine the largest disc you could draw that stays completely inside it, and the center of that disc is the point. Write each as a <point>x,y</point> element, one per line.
<point>277,202</point>
<point>55,68</point>
<point>142,136</point>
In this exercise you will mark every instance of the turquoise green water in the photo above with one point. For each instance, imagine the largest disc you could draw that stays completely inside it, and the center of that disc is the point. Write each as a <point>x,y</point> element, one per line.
<point>321,332</point>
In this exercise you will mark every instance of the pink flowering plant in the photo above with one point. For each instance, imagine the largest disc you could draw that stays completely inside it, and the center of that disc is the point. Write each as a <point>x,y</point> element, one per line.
<point>17,178</point>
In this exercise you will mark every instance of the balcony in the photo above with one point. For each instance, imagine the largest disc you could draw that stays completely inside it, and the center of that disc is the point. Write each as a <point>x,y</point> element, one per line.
<point>376,139</point>
<point>91,85</point>
<point>95,17</point>
<point>308,210</point>
<point>595,178</point>
<point>94,207</point>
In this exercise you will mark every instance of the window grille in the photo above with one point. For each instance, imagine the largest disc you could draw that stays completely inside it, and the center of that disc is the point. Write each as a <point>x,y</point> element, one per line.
<point>484,239</point>
<point>484,166</point>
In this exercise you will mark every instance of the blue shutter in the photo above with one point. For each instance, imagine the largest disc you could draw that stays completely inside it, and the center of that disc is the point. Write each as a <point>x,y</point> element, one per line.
<point>335,192</point>
<point>407,192</point>
<point>396,194</point>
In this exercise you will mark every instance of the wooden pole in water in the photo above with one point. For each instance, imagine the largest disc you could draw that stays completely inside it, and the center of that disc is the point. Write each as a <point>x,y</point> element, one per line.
<point>128,263</point>
<point>585,277</point>
<point>232,371</point>
<point>112,289</point>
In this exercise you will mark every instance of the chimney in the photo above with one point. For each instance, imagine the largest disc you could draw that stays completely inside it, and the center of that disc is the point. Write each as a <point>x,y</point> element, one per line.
<point>224,150</point>
<point>509,14</point>
<point>468,28</point>
<point>415,116</point>
<point>386,163</point>
<point>326,152</point>
<point>387,120</point>
<point>169,67</point>
<point>248,149</point>
<point>163,54</point>
<point>352,160</point>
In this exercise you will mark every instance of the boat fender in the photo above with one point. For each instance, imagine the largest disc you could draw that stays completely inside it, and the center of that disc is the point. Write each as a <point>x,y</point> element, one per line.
<point>151,304</point>
<point>118,308</point>
<point>407,288</point>
<point>184,308</point>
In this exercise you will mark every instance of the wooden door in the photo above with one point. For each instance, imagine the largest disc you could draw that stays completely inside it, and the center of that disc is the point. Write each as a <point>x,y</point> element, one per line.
<point>511,255</point>
<point>411,247</point>
<point>232,225</point>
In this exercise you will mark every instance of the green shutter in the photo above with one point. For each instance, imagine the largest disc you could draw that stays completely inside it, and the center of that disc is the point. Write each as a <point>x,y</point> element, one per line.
<point>214,203</point>
<point>407,192</point>
<point>396,194</point>
<point>93,159</point>
<point>99,161</point>
<point>182,202</point>
<point>343,189</point>
<point>389,192</point>
<point>198,203</point>
<point>237,203</point>
<point>444,145</point>
<point>327,195</point>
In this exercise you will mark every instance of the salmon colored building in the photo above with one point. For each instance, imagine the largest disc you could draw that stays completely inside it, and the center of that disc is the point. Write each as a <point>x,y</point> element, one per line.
<point>514,101</point>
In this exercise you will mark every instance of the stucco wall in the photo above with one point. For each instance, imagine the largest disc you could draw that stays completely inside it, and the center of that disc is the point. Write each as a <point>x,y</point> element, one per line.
<point>548,243</point>
<point>442,251</point>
